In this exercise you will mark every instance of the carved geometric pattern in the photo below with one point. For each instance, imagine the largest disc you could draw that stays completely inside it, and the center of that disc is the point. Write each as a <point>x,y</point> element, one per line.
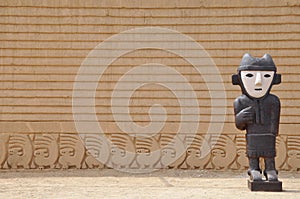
<point>67,151</point>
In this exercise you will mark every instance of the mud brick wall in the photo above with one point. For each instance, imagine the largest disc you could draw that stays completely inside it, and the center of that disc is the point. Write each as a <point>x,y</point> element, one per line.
<point>43,44</point>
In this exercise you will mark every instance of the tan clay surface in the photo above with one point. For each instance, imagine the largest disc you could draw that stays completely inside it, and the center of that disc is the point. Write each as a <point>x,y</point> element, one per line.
<point>110,183</point>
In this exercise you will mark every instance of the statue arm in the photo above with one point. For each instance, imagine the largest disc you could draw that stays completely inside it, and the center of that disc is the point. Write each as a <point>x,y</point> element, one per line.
<point>275,115</point>
<point>239,123</point>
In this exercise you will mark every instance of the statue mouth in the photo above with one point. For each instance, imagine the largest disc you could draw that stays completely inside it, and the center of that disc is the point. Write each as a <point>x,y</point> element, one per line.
<point>258,89</point>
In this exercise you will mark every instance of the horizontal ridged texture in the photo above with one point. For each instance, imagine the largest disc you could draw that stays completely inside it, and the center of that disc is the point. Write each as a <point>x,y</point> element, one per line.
<point>43,44</point>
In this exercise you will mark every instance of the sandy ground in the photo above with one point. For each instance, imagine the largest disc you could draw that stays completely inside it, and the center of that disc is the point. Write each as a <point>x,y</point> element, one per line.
<point>110,183</point>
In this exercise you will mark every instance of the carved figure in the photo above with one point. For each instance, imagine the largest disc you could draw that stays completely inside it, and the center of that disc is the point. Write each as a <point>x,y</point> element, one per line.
<point>148,152</point>
<point>294,152</point>
<point>46,150</point>
<point>71,150</point>
<point>20,151</point>
<point>3,148</point>
<point>281,155</point>
<point>122,151</point>
<point>98,150</point>
<point>194,157</point>
<point>223,153</point>
<point>173,151</point>
<point>257,111</point>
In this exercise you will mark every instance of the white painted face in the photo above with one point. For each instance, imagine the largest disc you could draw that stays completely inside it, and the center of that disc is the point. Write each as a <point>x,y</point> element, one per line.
<point>257,83</point>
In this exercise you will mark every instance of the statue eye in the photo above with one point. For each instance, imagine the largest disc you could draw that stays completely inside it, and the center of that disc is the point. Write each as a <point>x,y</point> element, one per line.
<point>267,75</point>
<point>249,75</point>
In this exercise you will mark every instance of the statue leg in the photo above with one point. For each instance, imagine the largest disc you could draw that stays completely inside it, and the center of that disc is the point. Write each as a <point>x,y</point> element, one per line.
<point>270,171</point>
<point>254,170</point>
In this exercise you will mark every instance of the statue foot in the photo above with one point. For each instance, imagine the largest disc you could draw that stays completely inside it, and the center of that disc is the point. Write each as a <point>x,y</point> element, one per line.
<point>255,175</point>
<point>271,175</point>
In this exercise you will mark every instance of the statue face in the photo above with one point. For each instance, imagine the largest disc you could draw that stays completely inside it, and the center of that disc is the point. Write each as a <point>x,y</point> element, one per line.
<point>257,83</point>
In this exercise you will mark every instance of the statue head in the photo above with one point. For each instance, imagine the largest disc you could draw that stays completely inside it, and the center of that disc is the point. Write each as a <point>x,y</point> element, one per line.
<point>256,75</point>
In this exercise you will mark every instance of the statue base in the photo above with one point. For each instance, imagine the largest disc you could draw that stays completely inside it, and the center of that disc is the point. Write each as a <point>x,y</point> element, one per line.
<point>265,185</point>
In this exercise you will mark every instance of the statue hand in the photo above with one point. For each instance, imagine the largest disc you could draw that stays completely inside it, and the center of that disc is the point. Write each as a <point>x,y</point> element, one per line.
<point>245,116</point>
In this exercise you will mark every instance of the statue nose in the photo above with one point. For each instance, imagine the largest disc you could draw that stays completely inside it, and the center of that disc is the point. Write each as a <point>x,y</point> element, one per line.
<point>258,79</point>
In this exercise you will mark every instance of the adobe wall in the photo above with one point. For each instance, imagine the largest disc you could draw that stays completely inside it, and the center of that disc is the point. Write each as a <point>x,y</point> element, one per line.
<point>44,43</point>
